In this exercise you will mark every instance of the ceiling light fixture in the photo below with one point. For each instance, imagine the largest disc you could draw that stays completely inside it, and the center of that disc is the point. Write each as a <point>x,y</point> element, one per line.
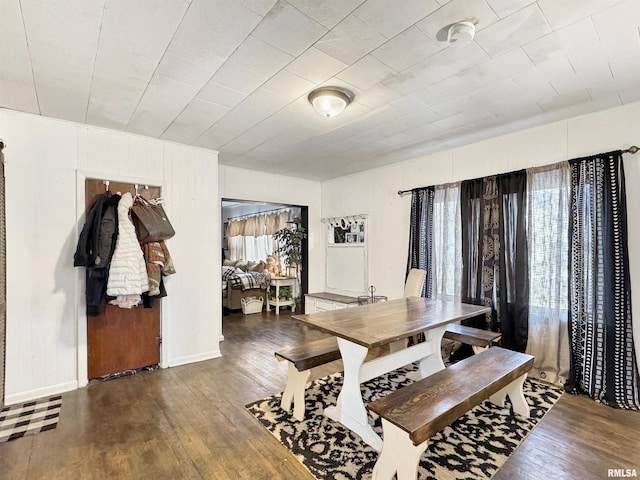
<point>330,101</point>
<point>461,34</point>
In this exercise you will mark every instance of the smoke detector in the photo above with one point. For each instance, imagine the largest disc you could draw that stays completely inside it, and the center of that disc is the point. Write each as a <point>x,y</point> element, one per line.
<point>461,34</point>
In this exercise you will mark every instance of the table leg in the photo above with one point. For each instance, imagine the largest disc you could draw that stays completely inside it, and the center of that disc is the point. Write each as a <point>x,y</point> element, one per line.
<point>349,409</point>
<point>277,307</point>
<point>433,363</point>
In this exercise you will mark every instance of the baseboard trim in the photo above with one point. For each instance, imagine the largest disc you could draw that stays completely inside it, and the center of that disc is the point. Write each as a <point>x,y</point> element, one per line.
<point>175,362</point>
<point>40,392</point>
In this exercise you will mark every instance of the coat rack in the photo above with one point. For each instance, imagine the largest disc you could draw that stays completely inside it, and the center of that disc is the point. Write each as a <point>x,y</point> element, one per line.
<point>136,186</point>
<point>346,221</point>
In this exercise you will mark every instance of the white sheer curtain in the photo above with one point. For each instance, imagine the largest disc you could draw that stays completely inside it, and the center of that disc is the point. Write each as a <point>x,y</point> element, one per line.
<point>447,243</point>
<point>250,238</point>
<point>548,196</point>
<point>250,248</point>
<point>235,239</point>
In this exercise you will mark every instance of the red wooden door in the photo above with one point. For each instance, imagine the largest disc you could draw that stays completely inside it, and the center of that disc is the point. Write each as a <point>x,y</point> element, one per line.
<point>121,339</point>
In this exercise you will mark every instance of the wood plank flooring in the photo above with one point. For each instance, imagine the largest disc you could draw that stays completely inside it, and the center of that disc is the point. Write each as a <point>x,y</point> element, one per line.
<point>189,422</point>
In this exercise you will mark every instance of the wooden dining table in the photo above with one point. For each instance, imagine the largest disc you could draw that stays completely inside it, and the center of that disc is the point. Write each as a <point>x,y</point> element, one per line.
<point>374,325</point>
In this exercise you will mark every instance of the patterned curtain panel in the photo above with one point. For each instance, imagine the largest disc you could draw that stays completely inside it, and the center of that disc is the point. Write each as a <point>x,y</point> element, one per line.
<point>494,253</point>
<point>421,235</point>
<point>603,361</point>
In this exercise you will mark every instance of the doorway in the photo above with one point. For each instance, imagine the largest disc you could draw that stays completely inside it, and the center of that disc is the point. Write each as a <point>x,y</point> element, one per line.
<point>120,339</point>
<point>233,209</point>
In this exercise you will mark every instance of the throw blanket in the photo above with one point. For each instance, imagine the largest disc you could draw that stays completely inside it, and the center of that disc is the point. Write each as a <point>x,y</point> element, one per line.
<point>249,280</point>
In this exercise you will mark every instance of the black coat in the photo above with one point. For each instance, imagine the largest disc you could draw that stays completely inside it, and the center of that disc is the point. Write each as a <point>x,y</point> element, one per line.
<point>98,237</point>
<point>95,248</point>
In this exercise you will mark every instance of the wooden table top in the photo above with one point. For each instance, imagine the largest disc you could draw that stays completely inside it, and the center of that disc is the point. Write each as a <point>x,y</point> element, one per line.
<point>334,297</point>
<point>385,322</point>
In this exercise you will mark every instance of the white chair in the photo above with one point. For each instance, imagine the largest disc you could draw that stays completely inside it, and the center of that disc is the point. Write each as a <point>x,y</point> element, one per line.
<point>412,288</point>
<point>415,282</point>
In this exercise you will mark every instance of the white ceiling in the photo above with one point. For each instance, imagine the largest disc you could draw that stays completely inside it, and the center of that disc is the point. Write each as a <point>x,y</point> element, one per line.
<point>233,75</point>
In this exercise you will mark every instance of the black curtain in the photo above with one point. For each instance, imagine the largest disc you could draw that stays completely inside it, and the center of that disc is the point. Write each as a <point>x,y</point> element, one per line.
<point>513,283</point>
<point>421,235</point>
<point>494,254</point>
<point>603,360</point>
<point>471,211</point>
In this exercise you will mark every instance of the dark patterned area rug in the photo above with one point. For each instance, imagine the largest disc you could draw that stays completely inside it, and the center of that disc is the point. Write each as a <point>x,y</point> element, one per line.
<point>473,447</point>
<point>17,421</point>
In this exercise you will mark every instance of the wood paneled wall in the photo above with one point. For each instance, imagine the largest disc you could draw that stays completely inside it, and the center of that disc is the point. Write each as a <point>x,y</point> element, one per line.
<point>46,340</point>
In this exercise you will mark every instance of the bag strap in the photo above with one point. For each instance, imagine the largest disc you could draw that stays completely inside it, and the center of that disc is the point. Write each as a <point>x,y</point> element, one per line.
<point>139,199</point>
<point>148,203</point>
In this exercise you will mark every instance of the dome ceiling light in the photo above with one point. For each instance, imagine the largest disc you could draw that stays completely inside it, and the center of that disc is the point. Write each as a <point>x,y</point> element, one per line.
<point>330,101</point>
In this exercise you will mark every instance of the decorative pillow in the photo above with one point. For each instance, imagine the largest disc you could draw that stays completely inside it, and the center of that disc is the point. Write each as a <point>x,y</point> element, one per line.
<point>227,273</point>
<point>242,265</point>
<point>229,263</point>
<point>259,267</point>
<point>251,265</point>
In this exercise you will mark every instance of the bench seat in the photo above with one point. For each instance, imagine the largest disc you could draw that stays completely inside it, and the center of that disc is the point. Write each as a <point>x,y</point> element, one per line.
<point>412,414</point>
<point>302,358</point>
<point>478,339</point>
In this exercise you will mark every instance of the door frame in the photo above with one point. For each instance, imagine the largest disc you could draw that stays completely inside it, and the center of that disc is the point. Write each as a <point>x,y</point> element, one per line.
<point>3,272</point>
<point>81,313</point>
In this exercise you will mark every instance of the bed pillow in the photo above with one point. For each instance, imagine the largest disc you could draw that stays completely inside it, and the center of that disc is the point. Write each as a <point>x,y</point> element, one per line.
<point>242,265</point>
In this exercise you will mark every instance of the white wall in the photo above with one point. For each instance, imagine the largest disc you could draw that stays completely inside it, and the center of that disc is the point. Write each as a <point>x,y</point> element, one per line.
<point>241,184</point>
<point>46,163</point>
<point>375,191</point>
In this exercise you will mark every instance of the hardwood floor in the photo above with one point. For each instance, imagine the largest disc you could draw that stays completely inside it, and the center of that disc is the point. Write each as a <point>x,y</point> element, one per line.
<point>189,422</point>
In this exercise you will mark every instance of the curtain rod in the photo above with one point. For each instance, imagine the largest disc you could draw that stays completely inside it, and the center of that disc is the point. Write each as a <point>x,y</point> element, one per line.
<point>632,150</point>
<point>402,192</point>
<point>246,215</point>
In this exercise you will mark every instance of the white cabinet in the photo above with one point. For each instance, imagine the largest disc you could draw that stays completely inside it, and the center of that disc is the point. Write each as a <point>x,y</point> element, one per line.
<point>324,301</point>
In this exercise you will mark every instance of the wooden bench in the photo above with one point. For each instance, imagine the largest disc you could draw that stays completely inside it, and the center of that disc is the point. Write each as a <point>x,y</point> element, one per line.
<point>478,339</point>
<point>301,360</point>
<point>411,415</point>
<point>304,357</point>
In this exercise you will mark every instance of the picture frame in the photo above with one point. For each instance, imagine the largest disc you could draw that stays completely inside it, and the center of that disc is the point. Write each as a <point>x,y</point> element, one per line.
<point>351,237</point>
